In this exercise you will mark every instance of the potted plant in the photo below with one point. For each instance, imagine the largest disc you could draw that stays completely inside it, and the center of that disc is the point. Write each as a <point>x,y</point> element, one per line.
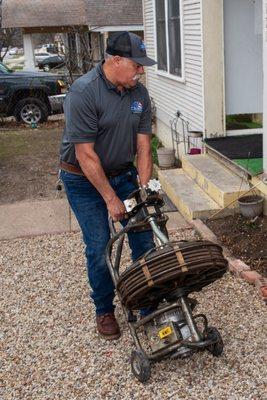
<point>166,157</point>
<point>251,206</point>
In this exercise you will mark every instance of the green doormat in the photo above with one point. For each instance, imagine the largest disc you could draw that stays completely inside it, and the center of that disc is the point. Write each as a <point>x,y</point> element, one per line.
<point>253,165</point>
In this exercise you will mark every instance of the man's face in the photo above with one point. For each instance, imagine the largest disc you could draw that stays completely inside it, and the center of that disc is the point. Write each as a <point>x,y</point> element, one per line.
<point>128,72</point>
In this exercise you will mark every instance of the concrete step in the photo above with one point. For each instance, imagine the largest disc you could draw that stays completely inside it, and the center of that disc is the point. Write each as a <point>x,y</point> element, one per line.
<point>221,184</point>
<point>189,198</point>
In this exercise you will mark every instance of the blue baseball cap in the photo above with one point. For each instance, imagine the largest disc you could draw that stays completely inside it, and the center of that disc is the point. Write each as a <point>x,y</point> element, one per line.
<point>129,45</point>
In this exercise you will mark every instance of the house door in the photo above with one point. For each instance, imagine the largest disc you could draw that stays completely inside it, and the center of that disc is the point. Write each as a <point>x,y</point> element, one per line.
<point>243,56</point>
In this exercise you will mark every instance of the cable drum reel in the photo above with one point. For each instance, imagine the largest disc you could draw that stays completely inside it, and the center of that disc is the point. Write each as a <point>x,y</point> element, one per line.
<point>162,280</point>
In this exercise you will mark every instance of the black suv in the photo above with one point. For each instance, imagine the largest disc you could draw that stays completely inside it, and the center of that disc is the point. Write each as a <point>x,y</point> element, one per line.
<point>30,96</point>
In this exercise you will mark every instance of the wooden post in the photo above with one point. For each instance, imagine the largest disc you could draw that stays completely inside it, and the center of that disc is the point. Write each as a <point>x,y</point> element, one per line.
<point>213,73</point>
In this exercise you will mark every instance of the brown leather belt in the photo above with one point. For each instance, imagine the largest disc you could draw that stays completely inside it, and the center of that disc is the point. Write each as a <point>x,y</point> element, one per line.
<point>76,170</point>
<point>70,168</point>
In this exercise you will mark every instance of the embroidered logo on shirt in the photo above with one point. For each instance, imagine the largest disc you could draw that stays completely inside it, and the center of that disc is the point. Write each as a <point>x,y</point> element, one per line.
<point>136,107</point>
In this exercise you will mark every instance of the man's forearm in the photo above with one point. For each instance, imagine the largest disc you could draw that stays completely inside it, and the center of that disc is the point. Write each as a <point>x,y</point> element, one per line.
<point>144,167</point>
<point>94,172</point>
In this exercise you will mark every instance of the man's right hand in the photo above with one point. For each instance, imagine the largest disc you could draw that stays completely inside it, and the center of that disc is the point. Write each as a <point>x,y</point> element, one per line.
<point>116,209</point>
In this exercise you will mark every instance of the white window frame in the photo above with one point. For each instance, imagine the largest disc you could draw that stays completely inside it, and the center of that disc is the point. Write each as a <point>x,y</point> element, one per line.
<point>160,72</point>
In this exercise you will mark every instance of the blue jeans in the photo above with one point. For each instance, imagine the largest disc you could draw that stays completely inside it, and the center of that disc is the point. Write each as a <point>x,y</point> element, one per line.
<point>91,212</point>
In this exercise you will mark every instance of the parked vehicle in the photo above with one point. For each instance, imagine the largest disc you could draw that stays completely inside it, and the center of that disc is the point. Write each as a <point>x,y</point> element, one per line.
<point>30,96</point>
<point>13,51</point>
<point>47,48</point>
<point>51,62</point>
<point>40,56</point>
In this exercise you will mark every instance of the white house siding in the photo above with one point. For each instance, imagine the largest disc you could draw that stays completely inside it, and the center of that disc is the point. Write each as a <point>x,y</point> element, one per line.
<point>171,95</point>
<point>265,93</point>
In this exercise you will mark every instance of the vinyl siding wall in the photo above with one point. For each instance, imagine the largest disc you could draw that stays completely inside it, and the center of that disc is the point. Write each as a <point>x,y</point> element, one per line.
<point>171,95</point>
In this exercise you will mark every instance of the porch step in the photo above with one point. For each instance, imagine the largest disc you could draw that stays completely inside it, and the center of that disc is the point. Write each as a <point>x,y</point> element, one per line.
<point>229,164</point>
<point>188,197</point>
<point>221,184</point>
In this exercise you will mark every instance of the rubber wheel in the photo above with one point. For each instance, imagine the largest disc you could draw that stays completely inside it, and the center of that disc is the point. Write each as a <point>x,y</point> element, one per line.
<point>31,109</point>
<point>46,67</point>
<point>141,367</point>
<point>216,348</point>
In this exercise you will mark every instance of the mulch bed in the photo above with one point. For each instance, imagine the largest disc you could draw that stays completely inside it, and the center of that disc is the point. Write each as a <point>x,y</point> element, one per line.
<point>246,239</point>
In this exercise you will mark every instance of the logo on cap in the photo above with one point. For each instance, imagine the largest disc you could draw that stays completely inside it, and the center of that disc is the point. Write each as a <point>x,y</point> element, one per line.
<point>143,46</point>
<point>136,107</point>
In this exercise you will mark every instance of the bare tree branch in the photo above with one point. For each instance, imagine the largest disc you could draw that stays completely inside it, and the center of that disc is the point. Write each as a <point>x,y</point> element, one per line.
<point>9,37</point>
<point>80,52</point>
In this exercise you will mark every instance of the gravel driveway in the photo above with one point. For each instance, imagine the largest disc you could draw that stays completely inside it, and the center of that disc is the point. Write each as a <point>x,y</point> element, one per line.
<point>50,349</point>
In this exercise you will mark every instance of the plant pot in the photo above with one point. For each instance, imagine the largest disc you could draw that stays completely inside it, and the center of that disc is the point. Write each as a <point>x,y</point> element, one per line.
<point>166,157</point>
<point>251,206</point>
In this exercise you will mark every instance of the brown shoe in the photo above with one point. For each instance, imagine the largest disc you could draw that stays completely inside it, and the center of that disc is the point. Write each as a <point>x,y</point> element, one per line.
<point>107,326</point>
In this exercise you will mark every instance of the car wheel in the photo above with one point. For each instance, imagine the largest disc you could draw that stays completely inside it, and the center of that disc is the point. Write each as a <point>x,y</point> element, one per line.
<point>46,67</point>
<point>31,110</point>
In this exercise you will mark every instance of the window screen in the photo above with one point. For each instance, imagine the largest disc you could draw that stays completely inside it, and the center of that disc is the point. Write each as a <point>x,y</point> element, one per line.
<point>174,37</point>
<point>169,36</point>
<point>161,35</point>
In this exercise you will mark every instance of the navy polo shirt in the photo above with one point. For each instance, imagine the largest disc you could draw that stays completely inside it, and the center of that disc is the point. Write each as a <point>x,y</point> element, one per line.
<point>96,112</point>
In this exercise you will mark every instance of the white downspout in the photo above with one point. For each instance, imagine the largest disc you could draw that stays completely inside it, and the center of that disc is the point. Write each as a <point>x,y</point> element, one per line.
<point>29,63</point>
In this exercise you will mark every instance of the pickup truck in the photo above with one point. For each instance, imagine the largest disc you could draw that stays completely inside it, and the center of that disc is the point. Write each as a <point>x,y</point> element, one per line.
<point>30,96</point>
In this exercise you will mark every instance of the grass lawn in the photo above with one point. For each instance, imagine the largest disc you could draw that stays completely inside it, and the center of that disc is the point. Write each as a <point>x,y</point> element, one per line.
<point>241,122</point>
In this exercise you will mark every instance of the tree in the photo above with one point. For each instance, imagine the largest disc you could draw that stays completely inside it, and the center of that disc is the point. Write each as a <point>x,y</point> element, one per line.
<point>81,51</point>
<point>9,37</point>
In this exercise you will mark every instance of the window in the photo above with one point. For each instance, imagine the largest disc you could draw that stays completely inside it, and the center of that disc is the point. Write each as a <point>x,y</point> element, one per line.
<point>168,28</point>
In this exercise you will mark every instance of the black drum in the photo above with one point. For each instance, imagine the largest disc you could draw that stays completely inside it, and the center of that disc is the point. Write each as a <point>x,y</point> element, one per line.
<point>187,265</point>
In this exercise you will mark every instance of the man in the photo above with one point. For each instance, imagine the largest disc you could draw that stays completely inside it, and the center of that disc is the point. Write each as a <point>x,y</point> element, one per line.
<point>107,123</point>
